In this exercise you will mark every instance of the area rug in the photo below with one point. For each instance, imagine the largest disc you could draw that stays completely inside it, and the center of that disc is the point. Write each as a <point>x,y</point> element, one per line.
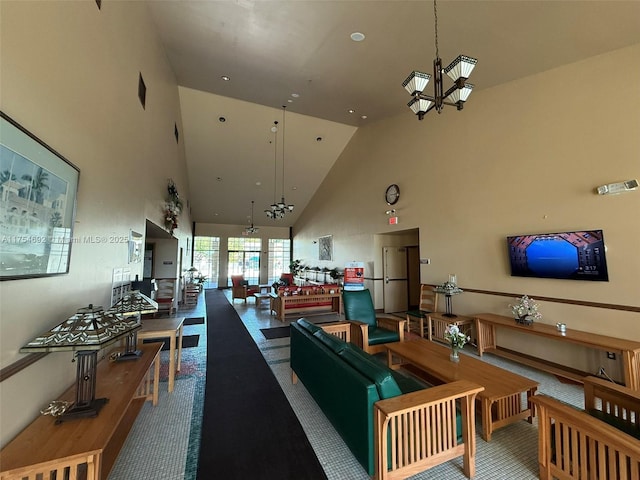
<point>188,341</point>
<point>249,429</point>
<point>193,321</point>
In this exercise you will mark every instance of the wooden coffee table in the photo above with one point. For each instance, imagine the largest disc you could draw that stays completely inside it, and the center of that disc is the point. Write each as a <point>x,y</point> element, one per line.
<point>501,399</point>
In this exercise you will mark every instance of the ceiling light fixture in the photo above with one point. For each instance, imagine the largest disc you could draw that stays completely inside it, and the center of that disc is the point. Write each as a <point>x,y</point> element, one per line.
<point>278,210</point>
<point>251,229</point>
<point>459,70</point>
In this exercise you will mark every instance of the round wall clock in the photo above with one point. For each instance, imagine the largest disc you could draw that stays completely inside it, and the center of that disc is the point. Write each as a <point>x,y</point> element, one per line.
<point>392,194</point>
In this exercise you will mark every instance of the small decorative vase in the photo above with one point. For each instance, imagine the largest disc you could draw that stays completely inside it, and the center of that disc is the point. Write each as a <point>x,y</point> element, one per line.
<point>524,320</point>
<point>454,357</point>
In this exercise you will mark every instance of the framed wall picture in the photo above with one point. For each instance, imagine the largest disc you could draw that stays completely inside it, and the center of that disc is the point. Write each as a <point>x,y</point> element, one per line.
<point>135,247</point>
<point>38,189</point>
<point>325,248</point>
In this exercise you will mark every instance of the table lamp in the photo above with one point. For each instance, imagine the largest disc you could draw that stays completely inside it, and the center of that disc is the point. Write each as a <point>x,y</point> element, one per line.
<point>134,304</point>
<point>88,331</point>
<point>448,288</point>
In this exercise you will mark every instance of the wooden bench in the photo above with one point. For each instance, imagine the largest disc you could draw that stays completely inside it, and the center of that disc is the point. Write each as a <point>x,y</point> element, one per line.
<point>303,304</point>
<point>574,444</point>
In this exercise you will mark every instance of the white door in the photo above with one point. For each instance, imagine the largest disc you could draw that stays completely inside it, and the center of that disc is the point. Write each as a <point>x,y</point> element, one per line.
<point>395,279</point>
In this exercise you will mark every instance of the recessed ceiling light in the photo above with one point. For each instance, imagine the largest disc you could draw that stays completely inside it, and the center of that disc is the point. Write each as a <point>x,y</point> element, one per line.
<point>225,78</point>
<point>364,117</point>
<point>351,110</point>
<point>290,101</point>
<point>357,36</point>
<point>219,179</point>
<point>294,188</point>
<point>258,183</point>
<point>295,95</point>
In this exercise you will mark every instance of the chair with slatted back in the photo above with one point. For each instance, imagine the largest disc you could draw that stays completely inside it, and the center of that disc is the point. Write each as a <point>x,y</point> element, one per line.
<point>165,294</point>
<point>428,304</point>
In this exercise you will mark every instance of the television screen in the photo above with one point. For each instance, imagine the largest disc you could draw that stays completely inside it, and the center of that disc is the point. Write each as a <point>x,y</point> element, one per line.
<point>576,255</point>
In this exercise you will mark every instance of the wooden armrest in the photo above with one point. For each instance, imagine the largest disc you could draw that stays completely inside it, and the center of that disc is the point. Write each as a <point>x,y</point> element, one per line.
<point>393,323</point>
<point>339,329</point>
<point>549,409</point>
<point>595,384</point>
<point>429,396</point>
<point>399,455</point>
<point>359,333</point>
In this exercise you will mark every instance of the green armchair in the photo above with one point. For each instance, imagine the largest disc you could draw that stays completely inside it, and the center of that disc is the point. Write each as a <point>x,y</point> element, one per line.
<point>369,331</point>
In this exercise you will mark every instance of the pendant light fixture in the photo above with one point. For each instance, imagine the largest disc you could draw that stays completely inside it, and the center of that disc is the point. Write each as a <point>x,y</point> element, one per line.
<point>251,229</point>
<point>459,71</point>
<point>278,210</point>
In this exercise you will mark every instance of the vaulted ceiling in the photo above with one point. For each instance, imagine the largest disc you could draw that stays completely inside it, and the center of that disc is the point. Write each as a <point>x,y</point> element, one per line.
<point>299,54</point>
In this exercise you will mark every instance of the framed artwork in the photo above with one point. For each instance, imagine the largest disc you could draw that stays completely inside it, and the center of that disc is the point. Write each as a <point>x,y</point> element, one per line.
<point>325,248</point>
<point>135,247</point>
<point>38,189</point>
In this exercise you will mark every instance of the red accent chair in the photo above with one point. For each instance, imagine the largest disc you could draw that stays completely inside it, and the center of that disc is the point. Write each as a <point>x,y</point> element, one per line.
<point>287,279</point>
<point>240,288</point>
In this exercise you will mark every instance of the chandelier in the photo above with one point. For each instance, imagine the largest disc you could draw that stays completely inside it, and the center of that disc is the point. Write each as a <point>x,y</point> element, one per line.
<point>278,210</point>
<point>251,229</point>
<point>459,71</point>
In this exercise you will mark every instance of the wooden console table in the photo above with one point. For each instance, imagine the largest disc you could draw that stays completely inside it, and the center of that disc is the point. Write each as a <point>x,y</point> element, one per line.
<point>44,449</point>
<point>486,324</point>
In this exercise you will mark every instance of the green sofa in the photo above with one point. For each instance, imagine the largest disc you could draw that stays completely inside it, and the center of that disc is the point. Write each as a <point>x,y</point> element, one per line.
<point>361,397</point>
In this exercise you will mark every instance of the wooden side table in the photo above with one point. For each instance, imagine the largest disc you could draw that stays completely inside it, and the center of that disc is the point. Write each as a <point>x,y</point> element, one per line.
<point>437,324</point>
<point>165,328</point>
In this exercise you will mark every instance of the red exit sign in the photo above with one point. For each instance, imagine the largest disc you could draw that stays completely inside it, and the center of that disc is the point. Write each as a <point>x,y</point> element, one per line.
<point>393,220</point>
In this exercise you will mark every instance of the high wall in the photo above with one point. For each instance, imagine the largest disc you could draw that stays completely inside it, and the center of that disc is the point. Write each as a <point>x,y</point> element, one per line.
<point>69,74</point>
<point>523,157</point>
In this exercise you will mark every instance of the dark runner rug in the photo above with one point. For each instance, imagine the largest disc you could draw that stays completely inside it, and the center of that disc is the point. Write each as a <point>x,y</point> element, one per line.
<point>248,427</point>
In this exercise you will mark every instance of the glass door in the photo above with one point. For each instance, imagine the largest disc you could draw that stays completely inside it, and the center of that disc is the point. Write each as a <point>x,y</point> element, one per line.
<point>244,259</point>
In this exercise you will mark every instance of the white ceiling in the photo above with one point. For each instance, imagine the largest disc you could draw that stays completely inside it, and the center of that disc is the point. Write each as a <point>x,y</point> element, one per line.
<point>273,49</point>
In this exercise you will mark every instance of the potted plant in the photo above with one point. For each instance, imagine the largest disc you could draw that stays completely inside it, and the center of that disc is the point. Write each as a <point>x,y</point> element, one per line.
<point>295,267</point>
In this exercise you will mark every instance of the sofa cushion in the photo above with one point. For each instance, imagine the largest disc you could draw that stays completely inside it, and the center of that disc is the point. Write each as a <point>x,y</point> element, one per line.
<point>308,326</point>
<point>370,368</point>
<point>378,336</point>
<point>330,341</point>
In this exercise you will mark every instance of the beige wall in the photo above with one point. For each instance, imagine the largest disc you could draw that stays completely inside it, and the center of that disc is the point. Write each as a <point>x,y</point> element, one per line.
<point>524,157</point>
<point>69,74</point>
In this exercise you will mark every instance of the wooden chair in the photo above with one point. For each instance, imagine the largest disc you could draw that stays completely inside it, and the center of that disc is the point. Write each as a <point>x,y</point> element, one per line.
<point>287,279</point>
<point>428,305</point>
<point>240,288</point>
<point>165,294</point>
<point>369,331</point>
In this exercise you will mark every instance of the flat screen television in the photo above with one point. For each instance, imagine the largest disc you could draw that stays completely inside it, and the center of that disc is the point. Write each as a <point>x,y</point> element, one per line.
<point>578,255</point>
